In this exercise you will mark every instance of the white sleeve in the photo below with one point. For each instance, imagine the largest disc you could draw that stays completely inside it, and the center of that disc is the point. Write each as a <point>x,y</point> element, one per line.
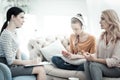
<point>114,61</point>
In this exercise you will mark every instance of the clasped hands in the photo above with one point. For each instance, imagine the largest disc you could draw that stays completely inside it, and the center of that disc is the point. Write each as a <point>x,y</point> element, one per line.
<point>89,56</point>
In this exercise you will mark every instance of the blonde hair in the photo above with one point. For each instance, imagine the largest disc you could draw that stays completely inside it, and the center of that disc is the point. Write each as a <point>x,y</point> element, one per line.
<point>112,19</point>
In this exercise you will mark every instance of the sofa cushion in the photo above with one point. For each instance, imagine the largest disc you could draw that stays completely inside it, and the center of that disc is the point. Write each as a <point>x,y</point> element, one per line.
<point>107,78</point>
<point>49,77</point>
<point>52,49</point>
<point>56,72</point>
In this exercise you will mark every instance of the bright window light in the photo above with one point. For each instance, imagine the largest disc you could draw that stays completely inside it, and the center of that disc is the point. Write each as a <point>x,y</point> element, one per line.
<point>56,25</point>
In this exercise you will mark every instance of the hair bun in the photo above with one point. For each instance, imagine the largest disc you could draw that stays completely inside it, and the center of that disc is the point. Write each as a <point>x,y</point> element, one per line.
<point>79,14</point>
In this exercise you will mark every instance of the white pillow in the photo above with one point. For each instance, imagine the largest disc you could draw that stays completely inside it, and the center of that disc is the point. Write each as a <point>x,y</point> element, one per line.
<point>53,49</point>
<point>75,61</point>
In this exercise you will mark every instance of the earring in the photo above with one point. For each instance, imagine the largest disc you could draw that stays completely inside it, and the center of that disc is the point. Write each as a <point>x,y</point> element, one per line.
<point>7,22</point>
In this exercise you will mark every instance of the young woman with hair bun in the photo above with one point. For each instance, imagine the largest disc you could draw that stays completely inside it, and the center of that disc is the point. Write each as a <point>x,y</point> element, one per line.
<point>80,42</point>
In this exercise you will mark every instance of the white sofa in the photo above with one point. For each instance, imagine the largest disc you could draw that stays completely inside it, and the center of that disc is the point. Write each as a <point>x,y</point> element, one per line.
<point>54,73</point>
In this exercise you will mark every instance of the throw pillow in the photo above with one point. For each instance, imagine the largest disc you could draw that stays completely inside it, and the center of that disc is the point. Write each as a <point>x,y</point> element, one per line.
<point>53,49</point>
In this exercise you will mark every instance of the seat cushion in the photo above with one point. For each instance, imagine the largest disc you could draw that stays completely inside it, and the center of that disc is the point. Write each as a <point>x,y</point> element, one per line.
<point>107,78</point>
<point>32,77</point>
<point>56,72</point>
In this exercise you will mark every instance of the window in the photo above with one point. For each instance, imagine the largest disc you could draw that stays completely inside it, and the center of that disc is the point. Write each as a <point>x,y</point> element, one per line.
<point>56,25</point>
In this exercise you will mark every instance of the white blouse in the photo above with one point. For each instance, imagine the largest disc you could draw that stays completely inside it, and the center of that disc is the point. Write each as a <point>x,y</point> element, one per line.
<point>110,52</point>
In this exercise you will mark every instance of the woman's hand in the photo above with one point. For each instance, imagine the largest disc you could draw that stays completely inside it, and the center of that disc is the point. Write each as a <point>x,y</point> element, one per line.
<point>73,56</point>
<point>69,55</point>
<point>65,54</point>
<point>89,57</point>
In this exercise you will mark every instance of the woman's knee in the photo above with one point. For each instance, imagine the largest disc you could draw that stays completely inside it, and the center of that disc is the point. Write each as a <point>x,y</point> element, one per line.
<point>55,59</point>
<point>87,64</point>
<point>37,70</point>
<point>94,64</point>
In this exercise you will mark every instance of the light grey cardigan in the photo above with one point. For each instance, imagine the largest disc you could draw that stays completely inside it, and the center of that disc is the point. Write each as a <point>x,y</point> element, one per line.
<point>8,45</point>
<point>110,52</point>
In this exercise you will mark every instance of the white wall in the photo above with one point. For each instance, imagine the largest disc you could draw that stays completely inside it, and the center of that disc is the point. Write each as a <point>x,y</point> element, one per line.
<point>44,8</point>
<point>91,9</point>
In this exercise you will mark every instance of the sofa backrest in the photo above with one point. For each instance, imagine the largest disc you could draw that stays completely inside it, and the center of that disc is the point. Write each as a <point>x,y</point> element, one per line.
<point>34,45</point>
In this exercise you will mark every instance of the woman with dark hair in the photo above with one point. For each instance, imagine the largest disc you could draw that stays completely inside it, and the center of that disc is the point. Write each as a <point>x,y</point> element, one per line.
<point>79,41</point>
<point>9,47</point>
<point>107,60</point>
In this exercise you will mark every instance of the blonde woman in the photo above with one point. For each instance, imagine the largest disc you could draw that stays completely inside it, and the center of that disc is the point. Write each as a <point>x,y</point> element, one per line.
<point>79,41</point>
<point>107,62</point>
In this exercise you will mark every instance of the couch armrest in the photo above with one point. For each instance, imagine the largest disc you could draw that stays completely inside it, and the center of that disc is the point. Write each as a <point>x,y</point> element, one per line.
<point>5,71</point>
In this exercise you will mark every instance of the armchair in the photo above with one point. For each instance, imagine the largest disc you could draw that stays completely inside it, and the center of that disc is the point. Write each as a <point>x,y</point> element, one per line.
<point>5,73</point>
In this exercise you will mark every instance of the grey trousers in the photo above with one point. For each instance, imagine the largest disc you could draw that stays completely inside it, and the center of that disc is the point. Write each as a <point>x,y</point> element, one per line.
<point>96,71</point>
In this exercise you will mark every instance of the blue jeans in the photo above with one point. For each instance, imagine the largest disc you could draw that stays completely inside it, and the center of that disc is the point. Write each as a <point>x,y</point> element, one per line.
<point>60,63</point>
<point>96,71</point>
